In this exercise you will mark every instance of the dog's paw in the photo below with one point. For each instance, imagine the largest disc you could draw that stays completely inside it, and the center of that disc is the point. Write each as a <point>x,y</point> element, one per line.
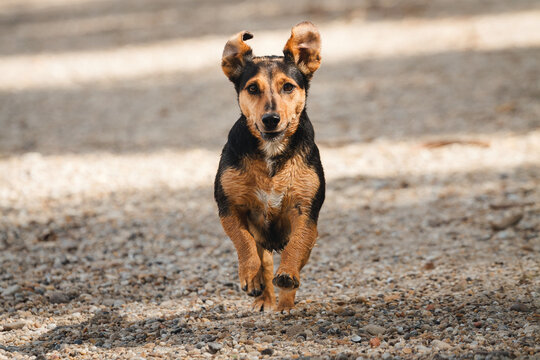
<point>265,302</point>
<point>285,307</point>
<point>286,281</point>
<point>286,301</point>
<point>251,278</point>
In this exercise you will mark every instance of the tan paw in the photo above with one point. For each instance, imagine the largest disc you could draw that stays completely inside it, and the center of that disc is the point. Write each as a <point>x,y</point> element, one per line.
<point>251,278</point>
<point>265,302</point>
<point>286,301</point>
<point>285,306</point>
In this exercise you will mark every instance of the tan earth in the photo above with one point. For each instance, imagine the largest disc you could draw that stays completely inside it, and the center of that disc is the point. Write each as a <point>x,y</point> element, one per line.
<point>112,117</point>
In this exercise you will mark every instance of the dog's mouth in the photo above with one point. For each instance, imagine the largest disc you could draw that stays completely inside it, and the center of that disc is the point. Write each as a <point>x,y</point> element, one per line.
<point>272,135</point>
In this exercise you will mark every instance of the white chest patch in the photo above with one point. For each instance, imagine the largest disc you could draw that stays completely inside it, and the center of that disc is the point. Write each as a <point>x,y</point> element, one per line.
<point>272,199</point>
<point>273,148</point>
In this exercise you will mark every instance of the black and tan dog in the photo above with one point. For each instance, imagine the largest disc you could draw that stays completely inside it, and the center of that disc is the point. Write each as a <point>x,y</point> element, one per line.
<point>270,183</point>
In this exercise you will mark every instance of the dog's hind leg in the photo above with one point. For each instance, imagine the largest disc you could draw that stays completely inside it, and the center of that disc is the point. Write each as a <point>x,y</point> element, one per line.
<point>267,300</point>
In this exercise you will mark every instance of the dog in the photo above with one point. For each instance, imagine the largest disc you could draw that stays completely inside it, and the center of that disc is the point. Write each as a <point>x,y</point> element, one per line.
<point>270,185</point>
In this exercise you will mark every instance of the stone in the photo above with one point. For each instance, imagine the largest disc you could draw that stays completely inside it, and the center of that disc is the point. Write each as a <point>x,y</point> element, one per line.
<point>214,347</point>
<point>295,330</point>
<point>267,339</point>
<point>14,325</point>
<point>374,329</point>
<point>506,222</point>
<point>440,345</point>
<point>57,297</point>
<point>519,307</point>
<point>10,290</point>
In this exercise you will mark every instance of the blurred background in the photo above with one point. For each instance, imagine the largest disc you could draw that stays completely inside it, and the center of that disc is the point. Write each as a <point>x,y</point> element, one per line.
<point>113,115</point>
<point>81,76</point>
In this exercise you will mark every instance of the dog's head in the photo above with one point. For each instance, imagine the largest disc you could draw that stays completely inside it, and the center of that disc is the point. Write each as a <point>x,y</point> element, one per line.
<point>272,89</point>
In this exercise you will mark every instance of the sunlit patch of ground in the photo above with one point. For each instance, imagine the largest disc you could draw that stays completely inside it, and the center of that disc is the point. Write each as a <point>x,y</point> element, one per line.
<point>112,117</point>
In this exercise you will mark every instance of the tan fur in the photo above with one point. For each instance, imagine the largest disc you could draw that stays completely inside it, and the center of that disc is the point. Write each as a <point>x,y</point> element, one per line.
<point>305,47</point>
<point>249,263</point>
<point>256,194</point>
<point>286,300</point>
<point>296,253</point>
<point>296,181</point>
<point>267,301</point>
<point>288,106</point>
<point>298,184</point>
<point>232,59</point>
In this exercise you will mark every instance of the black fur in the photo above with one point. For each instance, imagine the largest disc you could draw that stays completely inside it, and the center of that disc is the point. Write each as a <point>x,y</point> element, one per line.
<point>275,236</point>
<point>314,161</point>
<point>288,67</point>
<point>241,144</point>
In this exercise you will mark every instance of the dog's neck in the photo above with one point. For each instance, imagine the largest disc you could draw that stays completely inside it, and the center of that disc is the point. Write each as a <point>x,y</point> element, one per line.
<point>273,148</point>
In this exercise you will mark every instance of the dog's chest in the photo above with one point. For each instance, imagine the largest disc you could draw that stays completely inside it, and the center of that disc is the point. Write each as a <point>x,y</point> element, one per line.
<point>269,194</point>
<point>269,200</point>
<point>255,189</point>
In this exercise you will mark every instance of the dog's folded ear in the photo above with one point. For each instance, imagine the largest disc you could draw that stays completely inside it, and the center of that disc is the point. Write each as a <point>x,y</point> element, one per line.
<point>236,54</point>
<point>304,48</point>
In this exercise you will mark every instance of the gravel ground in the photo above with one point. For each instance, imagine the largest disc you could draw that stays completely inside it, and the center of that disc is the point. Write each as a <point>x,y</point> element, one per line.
<point>110,244</point>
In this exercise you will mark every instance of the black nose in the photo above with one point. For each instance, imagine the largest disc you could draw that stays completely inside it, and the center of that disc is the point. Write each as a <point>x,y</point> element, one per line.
<point>270,121</point>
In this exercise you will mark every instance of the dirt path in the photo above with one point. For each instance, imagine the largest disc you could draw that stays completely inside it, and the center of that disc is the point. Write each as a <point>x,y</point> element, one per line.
<point>112,116</point>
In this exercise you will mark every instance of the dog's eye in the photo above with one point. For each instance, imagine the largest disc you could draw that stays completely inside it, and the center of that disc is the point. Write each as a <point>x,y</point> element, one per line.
<point>288,87</point>
<point>253,89</point>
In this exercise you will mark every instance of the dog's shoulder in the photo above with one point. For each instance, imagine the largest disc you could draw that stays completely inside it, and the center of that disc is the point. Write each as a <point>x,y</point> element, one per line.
<point>240,144</point>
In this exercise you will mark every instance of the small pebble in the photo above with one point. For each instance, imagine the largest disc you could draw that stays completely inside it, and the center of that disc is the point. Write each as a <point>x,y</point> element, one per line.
<point>14,325</point>
<point>441,345</point>
<point>374,329</point>
<point>57,297</point>
<point>10,290</point>
<point>374,342</point>
<point>294,330</point>
<point>214,347</point>
<point>520,307</point>
<point>267,339</point>
<point>506,222</point>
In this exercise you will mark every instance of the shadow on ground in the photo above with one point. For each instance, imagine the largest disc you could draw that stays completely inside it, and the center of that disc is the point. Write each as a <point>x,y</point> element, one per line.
<point>108,329</point>
<point>347,102</point>
<point>165,264</point>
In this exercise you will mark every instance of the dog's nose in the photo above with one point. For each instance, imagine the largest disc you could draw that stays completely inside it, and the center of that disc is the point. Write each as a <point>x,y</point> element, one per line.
<point>270,121</point>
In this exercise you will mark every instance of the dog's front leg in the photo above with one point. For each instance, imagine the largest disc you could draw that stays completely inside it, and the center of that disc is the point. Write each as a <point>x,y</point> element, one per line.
<point>249,263</point>
<point>293,258</point>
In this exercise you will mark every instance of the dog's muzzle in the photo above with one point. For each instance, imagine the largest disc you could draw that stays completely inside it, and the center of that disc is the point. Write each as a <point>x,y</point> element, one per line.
<point>271,136</point>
